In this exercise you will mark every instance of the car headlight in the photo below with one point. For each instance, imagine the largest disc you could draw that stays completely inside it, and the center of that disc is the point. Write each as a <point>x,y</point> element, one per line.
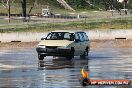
<point>41,46</point>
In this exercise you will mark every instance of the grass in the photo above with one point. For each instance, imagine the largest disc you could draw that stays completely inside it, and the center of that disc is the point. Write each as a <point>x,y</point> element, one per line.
<point>76,25</point>
<point>17,9</point>
<point>93,22</point>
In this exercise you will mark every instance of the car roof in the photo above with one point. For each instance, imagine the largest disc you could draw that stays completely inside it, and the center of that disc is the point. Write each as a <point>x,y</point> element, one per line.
<point>70,31</point>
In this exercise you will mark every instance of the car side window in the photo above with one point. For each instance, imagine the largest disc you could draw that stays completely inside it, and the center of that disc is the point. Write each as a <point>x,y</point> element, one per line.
<point>85,37</point>
<point>80,37</point>
<point>76,36</point>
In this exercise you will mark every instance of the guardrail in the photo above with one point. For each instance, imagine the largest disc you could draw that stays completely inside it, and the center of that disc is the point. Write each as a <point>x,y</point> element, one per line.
<point>93,35</point>
<point>51,16</point>
<point>17,15</point>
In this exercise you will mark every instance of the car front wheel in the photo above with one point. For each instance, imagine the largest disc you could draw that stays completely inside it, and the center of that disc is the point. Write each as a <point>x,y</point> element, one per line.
<point>72,54</point>
<point>40,57</point>
<point>69,57</point>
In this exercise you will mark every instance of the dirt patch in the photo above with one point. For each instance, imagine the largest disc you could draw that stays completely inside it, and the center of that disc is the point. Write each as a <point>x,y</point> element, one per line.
<point>93,44</point>
<point>15,45</point>
<point>123,43</point>
<point>111,44</point>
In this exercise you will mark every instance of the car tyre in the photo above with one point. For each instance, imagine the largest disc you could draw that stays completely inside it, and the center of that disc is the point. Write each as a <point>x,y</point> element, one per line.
<point>83,55</point>
<point>71,54</point>
<point>85,52</point>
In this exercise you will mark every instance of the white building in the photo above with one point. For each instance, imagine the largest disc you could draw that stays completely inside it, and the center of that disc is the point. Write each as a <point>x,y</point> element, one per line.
<point>120,0</point>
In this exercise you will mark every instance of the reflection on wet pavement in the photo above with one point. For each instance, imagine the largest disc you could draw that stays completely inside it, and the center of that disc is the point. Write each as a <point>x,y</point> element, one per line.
<point>20,68</point>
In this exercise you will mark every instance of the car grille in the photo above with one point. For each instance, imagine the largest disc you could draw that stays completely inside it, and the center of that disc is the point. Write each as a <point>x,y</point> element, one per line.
<point>51,47</point>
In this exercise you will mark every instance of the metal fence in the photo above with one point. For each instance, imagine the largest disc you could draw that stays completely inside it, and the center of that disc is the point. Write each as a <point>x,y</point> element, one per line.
<point>17,21</point>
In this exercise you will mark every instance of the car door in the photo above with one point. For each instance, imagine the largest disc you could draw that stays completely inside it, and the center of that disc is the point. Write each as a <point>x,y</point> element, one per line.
<point>78,46</point>
<point>86,42</point>
<point>82,46</point>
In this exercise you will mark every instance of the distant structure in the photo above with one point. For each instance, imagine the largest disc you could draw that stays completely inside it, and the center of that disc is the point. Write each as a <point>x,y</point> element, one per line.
<point>120,0</point>
<point>125,3</point>
<point>65,5</point>
<point>124,0</point>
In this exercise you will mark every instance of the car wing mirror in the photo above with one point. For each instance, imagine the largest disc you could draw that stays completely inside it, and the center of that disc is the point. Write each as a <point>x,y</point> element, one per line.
<point>43,38</point>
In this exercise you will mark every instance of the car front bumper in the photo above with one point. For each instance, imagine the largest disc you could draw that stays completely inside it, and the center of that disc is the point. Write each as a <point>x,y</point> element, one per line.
<point>54,52</point>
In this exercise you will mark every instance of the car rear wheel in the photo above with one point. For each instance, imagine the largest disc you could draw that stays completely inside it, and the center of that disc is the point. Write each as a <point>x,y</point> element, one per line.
<point>85,52</point>
<point>40,57</point>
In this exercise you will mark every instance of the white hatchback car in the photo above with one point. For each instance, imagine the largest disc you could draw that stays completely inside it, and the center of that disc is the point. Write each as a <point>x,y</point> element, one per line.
<point>64,44</point>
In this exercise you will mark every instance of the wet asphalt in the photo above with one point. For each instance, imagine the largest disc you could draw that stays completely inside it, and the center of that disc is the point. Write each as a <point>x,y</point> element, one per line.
<point>20,68</point>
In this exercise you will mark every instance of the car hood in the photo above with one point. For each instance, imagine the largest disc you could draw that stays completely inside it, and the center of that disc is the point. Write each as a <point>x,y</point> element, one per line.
<point>55,42</point>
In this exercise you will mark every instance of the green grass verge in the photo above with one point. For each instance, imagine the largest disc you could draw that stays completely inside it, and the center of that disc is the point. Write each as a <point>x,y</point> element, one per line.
<point>77,25</point>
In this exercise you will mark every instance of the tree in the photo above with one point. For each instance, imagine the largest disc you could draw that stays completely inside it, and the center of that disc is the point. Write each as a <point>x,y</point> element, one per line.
<point>33,3</point>
<point>78,4</point>
<point>24,9</point>
<point>6,4</point>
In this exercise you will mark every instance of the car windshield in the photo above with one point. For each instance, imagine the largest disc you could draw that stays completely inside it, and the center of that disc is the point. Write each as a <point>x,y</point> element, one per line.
<point>60,36</point>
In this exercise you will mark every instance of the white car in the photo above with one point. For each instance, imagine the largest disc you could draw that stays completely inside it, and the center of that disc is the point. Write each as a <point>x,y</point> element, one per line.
<point>64,44</point>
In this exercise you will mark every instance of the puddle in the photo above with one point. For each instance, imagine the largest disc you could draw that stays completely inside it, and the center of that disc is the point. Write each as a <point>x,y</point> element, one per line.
<point>21,68</point>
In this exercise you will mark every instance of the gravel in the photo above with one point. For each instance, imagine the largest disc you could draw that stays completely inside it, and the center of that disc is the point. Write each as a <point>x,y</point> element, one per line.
<point>93,44</point>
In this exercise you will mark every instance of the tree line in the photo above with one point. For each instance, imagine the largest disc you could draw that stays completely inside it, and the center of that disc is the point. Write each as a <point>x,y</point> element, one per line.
<point>76,4</point>
<point>83,4</point>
